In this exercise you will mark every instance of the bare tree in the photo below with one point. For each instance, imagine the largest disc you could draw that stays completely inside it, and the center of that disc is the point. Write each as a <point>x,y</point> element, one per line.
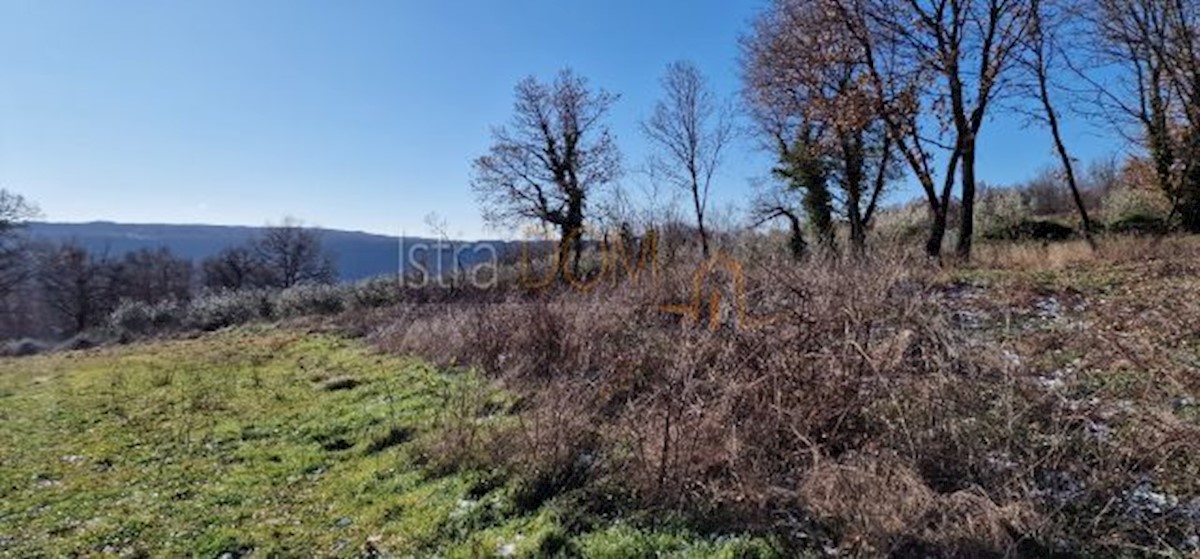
<point>448,254</point>
<point>292,254</point>
<point>776,203</point>
<point>234,268</point>
<point>14,212</point>
<point>691,131</point>
<point>552,158</point>
<point>969,46</point>
<point>77,286</point>
<point>1041,58</point>
<point>1144,69</point>
<point>153,275</point>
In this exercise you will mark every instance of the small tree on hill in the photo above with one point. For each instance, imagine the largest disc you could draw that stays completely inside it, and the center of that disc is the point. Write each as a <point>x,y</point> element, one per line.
<point>292,254</point>
<point>234,268</point>
<point>153,275</point>
<point>77,285</point>
<point>14,212</point>
<point>546,165</point>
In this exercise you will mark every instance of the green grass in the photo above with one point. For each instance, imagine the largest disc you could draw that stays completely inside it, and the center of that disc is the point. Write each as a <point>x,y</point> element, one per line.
<point>236,443</point>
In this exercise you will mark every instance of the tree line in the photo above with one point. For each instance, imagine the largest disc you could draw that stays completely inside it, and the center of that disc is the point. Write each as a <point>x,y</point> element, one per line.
<point>59,289</point>
<point>852,96</point>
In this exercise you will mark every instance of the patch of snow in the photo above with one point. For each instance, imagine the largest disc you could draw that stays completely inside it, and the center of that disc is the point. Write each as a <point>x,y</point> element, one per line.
<point>1001,461</point>
<point>1059,488</point>
<point>1143,501</point>
<point>464,507</point>
<point>969,320</point>
<point>1049,308</point>
<point>1098,431</point>
<point>1116,409</point>
<point>1054,381</point>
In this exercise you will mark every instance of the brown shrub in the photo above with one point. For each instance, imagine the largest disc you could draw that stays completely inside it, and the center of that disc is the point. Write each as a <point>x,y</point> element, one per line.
<point>841,389</point>
<point>883,507</point>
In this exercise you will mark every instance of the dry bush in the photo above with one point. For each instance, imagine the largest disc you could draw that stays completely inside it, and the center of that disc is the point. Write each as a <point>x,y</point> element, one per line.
<point>884,507</point>
<point>23,348</point>
<point>718,409</point>
<point>905,224</point>
<point>1133,203</point>
<point>843,391</point>
<point>1001,209</point>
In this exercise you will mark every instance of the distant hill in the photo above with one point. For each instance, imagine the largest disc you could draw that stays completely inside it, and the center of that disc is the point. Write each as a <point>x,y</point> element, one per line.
<point>359,255</point>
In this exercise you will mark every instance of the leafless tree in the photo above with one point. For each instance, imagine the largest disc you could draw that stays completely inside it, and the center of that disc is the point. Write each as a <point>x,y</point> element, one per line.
<point>14,212</point>
<point>233,268</point>
<point>77,285</point>
<point>153,275</point>
<point>777,202</point>
<point>1042,57</point>
<point>1144,69</point>
<point>292,254</point>
<point>555,154</point>
<point>1100,177</point>
<point>447,253</point>
<point>969,46</point>
<point>691,130</point>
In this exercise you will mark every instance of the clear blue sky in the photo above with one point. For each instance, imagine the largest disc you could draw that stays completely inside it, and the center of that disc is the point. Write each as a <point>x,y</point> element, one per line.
<point>355,114</point>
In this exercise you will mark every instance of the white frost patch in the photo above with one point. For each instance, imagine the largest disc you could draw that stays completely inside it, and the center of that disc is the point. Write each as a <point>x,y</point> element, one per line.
<point>510,549</point>
<point>465,506</point>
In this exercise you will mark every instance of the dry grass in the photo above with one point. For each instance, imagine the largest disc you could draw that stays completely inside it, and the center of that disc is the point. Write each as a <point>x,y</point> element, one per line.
<point>1033,403</point>
<point>884,507</point>
<point>1036,255</point>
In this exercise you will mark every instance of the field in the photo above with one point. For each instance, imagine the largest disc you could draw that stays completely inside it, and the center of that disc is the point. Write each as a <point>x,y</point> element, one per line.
<point>1041,401</point>
<point>260,440</point>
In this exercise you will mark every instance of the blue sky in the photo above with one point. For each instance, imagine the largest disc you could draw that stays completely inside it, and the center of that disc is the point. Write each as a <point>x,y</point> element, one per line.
<point>359,115</point>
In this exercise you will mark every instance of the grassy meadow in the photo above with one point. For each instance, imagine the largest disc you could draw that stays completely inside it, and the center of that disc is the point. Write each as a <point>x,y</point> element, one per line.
<point>267,442</point>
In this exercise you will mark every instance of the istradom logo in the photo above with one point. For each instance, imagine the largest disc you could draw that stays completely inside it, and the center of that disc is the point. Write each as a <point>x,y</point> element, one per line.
<point>718,287</point>
<point>622,258</point>
<point>708,280</point>
<point>443,264</point>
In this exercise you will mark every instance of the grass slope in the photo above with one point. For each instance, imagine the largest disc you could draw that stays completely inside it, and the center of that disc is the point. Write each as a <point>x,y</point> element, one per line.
<point>265,442</point>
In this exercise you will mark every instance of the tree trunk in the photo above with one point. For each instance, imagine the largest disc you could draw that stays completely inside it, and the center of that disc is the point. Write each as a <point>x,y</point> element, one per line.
<point>796,242</point>
<point>855,176</point>
<point>578,242</point>
<point>700,220</point>
<point>572,236</point>
<point>967,226</point>
<point>1189,197</point>
<point>937,233</point>
<point>858,232</point>
<point>564,252</point>
<point>820,209</point>
<point>1068,168</point>
<point>1040,71</point>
